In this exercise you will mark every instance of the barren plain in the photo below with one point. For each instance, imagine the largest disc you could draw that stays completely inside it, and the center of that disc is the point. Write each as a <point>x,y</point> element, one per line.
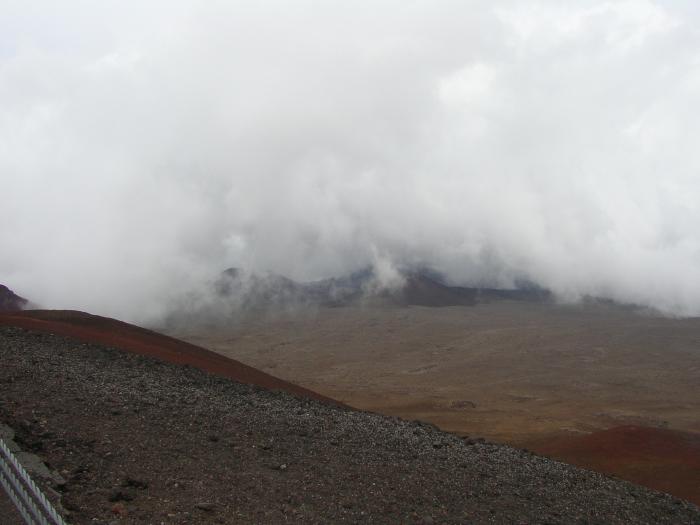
<point>605,387</point>
<point>508,371</point>
<point>601,386</point>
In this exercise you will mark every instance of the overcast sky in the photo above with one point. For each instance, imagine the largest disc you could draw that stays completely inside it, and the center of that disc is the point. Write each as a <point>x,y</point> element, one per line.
<point>145,146</point>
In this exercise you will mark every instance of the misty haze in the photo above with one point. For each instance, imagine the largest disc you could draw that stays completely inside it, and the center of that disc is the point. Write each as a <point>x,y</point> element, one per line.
<point>445,242</point>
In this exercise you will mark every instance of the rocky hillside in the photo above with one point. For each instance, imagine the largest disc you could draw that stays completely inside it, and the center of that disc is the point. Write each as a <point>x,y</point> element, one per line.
<point>10,301</point>
<point>136,440</point>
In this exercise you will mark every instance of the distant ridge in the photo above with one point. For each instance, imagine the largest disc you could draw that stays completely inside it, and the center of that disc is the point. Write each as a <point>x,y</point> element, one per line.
<point>420,289</point>
<point>412,288</point>
<point>236,294</point>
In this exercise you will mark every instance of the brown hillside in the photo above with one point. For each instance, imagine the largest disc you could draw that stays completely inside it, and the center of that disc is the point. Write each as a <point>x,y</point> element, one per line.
<point>111,332</point>
<point>659,458</point>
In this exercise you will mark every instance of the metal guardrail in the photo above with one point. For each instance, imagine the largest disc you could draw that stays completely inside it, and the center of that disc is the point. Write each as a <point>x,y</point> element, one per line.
<point>31,503</point>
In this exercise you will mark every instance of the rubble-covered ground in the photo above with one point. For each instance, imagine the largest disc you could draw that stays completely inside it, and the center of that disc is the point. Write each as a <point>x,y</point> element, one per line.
<point>133,440</point>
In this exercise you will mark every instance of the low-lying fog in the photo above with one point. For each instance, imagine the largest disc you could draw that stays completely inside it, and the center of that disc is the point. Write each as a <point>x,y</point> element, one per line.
<point>144,148</point>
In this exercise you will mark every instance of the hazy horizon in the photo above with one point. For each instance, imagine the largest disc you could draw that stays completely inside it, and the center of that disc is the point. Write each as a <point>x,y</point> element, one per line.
<point>144,148</point>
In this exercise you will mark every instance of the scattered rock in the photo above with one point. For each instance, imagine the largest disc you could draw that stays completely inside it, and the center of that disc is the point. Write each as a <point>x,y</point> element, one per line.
<point>121,495</point>
<point>135,483</point>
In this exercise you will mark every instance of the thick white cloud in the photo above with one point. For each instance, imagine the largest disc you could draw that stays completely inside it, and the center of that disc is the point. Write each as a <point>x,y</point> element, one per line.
<point>145,146</point>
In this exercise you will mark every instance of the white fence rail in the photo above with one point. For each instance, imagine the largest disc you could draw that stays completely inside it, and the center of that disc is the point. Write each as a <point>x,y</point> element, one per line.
<point>31,503</point>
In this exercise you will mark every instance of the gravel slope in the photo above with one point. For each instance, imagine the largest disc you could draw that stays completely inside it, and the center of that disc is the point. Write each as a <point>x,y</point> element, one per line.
<point>140,441</point>
<point>95,329</point>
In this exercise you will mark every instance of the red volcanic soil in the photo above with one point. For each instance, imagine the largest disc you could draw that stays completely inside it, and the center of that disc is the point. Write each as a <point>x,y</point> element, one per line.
<point>110,332</point>
<point>10,301</point>
<point>662,459</point>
